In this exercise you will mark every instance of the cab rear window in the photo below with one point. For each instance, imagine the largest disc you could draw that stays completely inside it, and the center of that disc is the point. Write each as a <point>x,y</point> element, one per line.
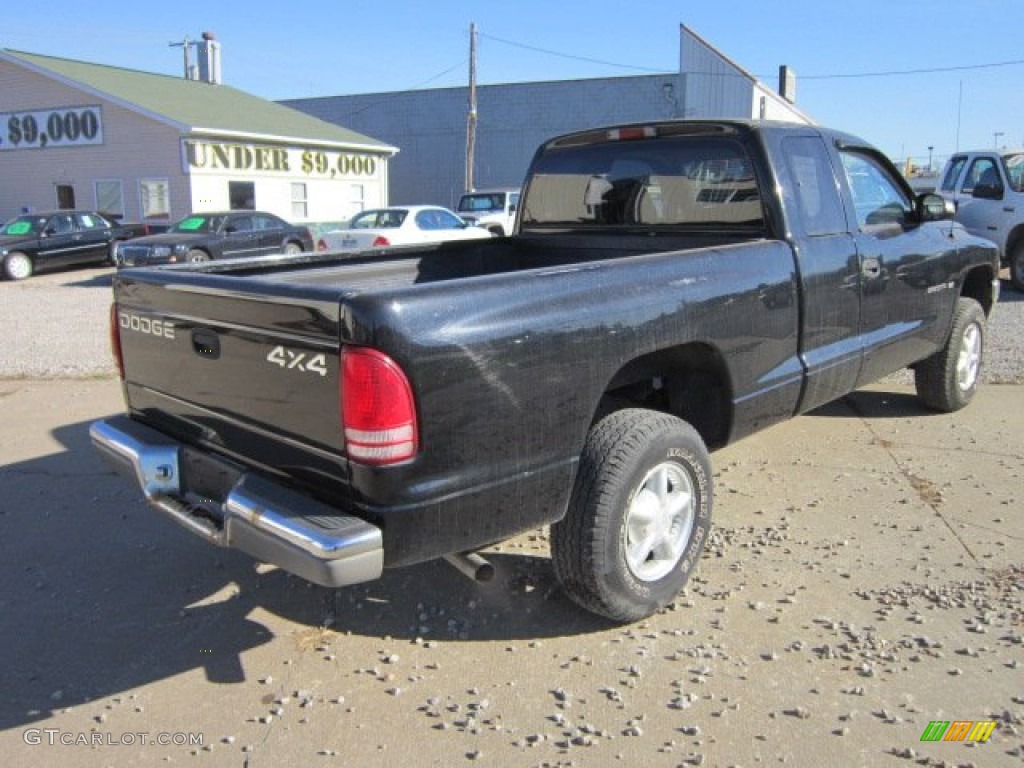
<point>651,183</point>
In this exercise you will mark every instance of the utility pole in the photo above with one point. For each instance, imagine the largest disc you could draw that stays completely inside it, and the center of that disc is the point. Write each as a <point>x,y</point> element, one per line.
<point>996,136</point>
<point>471,117</point>
<point>185,45</point>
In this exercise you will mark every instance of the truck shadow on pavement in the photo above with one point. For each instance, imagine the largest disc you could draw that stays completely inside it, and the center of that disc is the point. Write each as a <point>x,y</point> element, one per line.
<point>100,594</point>
<point>873,404</point>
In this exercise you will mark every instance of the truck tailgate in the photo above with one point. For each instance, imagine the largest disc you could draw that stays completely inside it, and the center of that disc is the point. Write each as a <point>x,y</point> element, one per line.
<point>245,369</point>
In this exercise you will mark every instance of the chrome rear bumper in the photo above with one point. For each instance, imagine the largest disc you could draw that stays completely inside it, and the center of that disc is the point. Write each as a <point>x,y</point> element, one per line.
<point>256,515</point>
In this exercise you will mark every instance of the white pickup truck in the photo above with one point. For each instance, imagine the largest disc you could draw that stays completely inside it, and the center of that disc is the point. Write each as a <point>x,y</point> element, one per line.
<point>492,209</point>
<point>988,189</point>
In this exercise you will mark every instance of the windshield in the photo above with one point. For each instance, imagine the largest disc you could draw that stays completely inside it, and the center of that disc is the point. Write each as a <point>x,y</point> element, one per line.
<point>482,203</point>
<point>24,225</point>
<point>1015,170</point>
<point>670,182</point>
<point>191,225</point>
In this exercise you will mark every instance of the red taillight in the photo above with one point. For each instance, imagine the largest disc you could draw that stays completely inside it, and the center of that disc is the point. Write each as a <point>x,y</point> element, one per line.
<point>115,341</point>
<point>321,244</point>
<point>380,242</point>
<point>378,414</point>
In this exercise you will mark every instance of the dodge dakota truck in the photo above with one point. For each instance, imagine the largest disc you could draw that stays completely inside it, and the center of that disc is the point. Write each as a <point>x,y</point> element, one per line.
<point>987,188</point>
<point>669,288</point>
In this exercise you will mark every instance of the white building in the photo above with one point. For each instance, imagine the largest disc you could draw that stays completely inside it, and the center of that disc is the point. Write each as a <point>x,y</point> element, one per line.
<point>156,148</point>
<point>514,119</point>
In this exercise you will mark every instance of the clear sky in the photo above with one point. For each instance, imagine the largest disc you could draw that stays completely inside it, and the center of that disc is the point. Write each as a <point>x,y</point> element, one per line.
<point>852,60</point>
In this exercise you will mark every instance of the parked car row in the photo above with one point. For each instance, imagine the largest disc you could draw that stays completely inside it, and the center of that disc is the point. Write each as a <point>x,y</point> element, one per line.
<point>55,239</point>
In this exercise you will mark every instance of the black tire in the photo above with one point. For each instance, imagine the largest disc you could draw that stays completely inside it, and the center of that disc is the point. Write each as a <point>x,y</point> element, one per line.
<point>18,266</point>
<point>290,249</point>
<point>196,255</point>
<point>597,558</point>
<point>947,380</point>
<point>1017,266</point>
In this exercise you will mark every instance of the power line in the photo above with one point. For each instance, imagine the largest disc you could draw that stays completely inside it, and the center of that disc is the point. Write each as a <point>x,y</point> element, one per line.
<point>569,55</point>
<point>846,75</point>
<point>929,71</point>
<point>416,87</point>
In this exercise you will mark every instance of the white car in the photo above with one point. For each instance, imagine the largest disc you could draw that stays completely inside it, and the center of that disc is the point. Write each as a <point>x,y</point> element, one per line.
<point>400,225</point>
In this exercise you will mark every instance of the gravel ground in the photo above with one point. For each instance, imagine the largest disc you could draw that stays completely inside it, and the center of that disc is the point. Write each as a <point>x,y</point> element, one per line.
<point>863,579</point>
<point>56,326</point>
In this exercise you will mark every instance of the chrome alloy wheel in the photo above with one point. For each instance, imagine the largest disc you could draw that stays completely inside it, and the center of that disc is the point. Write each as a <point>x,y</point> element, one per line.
<point>659,522</point>
<point>968,362</point>
<point>18,266</point>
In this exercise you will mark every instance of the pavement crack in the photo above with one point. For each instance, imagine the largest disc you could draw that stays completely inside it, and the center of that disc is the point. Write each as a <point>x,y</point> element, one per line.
<point>926,490</point>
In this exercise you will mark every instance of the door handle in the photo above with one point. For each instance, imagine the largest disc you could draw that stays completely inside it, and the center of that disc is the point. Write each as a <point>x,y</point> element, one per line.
<point>871,267</point>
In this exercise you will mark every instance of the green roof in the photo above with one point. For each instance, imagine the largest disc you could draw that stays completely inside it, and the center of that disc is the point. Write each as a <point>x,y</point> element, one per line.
<point>193,106</point>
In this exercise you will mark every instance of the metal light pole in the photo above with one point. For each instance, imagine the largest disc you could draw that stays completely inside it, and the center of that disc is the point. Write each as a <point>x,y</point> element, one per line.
<point>997,135</point>
<point>930,148</point>
<point>471,118</point>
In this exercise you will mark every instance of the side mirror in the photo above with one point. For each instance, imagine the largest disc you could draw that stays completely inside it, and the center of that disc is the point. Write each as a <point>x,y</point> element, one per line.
<point>932,207</point>
<point>230,228</point>
<point>988,192</point>
<point>512,208</point>
<point>49,232</point>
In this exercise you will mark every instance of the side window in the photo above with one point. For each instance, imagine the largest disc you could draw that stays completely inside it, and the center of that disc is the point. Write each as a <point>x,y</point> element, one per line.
<point>88,221</point>
<point>265,222</point>
<point>814,186</point>
<point>61,224</point>
<point>983,172</point>
<point>877,198</point>
<point>427,220</point>
<point>952,174</point>
<point>242,224</point>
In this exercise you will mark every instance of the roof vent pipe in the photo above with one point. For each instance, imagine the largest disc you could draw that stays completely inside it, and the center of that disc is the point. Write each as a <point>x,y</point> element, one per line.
<point>209,59</point>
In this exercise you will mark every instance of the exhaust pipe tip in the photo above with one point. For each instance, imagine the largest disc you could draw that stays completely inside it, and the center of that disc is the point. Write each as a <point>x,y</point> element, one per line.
<point>472,565</point>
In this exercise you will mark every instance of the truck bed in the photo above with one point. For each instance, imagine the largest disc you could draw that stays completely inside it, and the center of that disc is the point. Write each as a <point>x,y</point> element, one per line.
<point>403,267</point>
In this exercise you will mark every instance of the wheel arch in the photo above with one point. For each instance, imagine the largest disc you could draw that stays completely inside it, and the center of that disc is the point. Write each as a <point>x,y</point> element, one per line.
<point>1013,240</point>
<point>690,381</point>
<point>977,285</point>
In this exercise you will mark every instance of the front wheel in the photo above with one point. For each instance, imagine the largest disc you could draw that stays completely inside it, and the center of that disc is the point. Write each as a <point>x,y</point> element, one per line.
<point>290,249</point>
<point>639,515</point>
<point>1017,266</point>
<point>196,255</point>
<point>947,380</point>
<point>17,266</point>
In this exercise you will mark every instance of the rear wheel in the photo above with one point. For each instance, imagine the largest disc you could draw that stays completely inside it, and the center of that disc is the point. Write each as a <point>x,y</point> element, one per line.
<point>947,380</point>
<point>638,517</point>
<point>1017,266</point>
<point>196,255</point>
<point>290,249</point>
<point>18,266</point>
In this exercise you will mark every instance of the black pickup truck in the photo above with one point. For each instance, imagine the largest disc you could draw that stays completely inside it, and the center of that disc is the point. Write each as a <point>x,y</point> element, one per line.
<point>669,288</point>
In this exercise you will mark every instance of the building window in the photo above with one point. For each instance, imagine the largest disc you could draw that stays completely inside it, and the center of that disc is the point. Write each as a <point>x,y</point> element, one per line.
<point>242,195</point>
<point>65,196</point>
<point>357,200</point>
<point>300,208</point>
<point>154,198</point>
<point>110,197</point>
